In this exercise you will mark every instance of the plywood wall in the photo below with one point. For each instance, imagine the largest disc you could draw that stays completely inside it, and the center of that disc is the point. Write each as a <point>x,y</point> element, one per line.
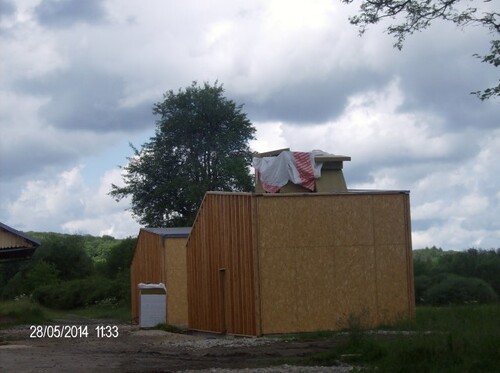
<point>221,270</point>
<point>333,261</point>
<point>147,266</point>
<point>264,264</point>
<point>176,280</point>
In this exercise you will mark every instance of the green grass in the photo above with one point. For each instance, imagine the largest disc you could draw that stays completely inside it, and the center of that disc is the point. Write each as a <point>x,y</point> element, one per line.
<point>306,336</point>
<point>22,311</point>
<point>443,339</point>
<point>120,313</point>
<point>26,311</point>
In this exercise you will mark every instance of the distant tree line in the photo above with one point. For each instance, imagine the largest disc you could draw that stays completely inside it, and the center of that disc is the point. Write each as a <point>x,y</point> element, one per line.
<point>456,277</point>
<point>71,271</point>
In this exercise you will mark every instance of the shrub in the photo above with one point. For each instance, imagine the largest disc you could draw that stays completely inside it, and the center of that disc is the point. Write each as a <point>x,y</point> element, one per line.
<point>75,293</point>
<point>422,284</point>
<point>453,289</point>
<point>21,310</point>
<point>67,254</point>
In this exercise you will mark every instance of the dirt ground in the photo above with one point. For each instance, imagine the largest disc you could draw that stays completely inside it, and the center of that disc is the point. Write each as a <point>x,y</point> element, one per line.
<point>136,350</point>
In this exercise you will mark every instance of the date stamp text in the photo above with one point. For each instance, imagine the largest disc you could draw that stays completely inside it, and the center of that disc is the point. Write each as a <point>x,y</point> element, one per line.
<point>73,331</point>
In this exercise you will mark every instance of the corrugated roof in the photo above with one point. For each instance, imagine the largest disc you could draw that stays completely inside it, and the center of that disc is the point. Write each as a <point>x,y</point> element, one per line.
<point>170,232</point>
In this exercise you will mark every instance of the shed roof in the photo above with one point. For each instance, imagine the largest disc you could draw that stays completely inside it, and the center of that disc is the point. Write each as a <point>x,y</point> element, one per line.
<point>170,232</point>
<point>15,244</point>
<point>19,233</point>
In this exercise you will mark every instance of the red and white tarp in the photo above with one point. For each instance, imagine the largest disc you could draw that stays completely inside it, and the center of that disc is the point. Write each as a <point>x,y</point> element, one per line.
<point>298,167</point>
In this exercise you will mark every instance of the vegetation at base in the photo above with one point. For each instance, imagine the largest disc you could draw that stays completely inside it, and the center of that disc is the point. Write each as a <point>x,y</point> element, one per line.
<point>169,328</point>
<point>26,311</point>
<point>305,336</point>
<point>71,271</point>
<point>456,277</point>
<point>442,339</point>
<point>22,311</point>
<point>98,311</point>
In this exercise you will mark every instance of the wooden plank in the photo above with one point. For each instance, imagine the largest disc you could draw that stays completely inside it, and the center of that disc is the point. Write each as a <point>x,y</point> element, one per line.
<point>221,241</point>
<point>9,240</point>
<point>147,266</point>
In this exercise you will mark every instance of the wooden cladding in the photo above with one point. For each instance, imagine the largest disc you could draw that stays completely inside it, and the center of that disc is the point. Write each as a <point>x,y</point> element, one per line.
<point>160,256</point>
<point>10,240</point>
<point>282,263</point>
<point>147,266</point>
<point>221,270</point>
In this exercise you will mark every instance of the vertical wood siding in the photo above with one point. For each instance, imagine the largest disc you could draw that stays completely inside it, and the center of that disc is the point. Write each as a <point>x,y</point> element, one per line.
<point>220,262</point>
<point>9,240</point>
<point>147,266</point>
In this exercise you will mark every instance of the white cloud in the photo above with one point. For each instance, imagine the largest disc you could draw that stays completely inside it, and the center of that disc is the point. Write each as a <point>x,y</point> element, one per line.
<point>47,201</point>
<point>269,136</point>
<point>406,118</point>
<point>410,151</point>
<point>31,50</point>
<point>66,203</point>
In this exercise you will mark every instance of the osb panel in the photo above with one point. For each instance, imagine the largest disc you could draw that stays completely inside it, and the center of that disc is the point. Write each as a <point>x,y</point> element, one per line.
<point>278,289</point>
<point>294,221</point>
<point>393,296</point>
<point>9,240</point>
<point>319,262</point>
<point>315,281</point>
<point>355,286</point>
<point>147,266</point>
<point>354,220</point>
<point>220,266</point>
<point>325,220</point>
<point>389,219</point>
<point>176,281</point>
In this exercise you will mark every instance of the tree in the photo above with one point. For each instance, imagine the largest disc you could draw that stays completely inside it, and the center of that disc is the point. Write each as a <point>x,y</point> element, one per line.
<point>200,144</point>
<point>416,15</point>
<point>67,254</point>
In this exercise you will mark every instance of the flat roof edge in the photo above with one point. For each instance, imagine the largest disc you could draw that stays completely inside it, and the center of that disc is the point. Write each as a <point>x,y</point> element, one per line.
<point>174,232</point>
<point>348,192</point>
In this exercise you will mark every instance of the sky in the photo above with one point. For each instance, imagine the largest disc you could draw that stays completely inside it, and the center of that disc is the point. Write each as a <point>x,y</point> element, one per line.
<point>78,80</point>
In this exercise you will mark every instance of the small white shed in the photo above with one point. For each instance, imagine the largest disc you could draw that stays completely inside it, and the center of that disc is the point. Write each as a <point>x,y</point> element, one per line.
<point>153,300</point>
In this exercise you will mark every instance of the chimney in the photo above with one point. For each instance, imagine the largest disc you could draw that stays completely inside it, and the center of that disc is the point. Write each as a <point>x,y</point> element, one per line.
<point>330,180</point>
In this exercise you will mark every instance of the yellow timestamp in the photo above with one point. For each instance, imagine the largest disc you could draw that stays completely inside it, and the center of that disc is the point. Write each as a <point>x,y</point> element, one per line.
<point>107,331</point>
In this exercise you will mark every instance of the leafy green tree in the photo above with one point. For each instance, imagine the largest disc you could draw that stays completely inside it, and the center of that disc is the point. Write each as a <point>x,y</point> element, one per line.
<point>119,258</point>
<point>67,254</point>
<point>417,15</point>
<point>440,274</point>
<point>453,289</point>
<point>200,144</point>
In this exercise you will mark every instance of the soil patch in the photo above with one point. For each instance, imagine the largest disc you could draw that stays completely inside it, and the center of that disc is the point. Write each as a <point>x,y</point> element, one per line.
<point>135,350</point>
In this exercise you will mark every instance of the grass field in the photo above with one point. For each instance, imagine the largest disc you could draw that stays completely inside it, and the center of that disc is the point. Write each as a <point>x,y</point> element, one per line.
<point>25,311</point>
<point>441,339</point>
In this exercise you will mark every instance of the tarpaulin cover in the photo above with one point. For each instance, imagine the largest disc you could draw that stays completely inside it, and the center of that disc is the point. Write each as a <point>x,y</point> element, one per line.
<point>298,167</point>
